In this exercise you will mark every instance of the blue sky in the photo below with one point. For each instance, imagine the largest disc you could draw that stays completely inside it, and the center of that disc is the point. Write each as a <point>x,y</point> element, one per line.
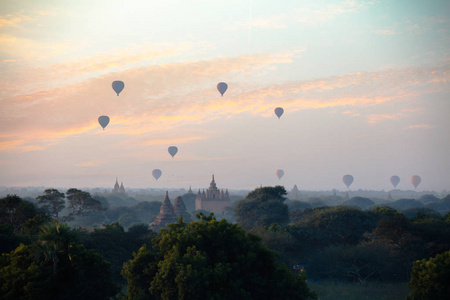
<point>364,86</point>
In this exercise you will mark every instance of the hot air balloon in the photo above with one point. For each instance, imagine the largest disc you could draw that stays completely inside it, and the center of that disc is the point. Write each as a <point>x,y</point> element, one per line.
<point>395,180</point>
<point>118,86</point>
<point>279,173</point>
<point>156,173</point>
<point>415,180</point>
<point>222,87</point>
<point>172,150</point>
<point>348,180</point>
<point>279,112</point>
<point>104,121</point>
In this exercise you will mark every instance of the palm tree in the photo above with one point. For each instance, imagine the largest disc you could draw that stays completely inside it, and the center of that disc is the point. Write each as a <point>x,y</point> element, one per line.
<point>55,243</point>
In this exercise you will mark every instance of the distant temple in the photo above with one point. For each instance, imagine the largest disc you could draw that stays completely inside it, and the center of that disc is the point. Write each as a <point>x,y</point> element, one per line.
<point>213,200</point>
<point>169,214</point>
<point>118,189</point>
<point>295,193</point>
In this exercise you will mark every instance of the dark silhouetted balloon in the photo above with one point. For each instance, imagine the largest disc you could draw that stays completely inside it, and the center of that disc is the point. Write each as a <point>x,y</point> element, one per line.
<point>222,87</point>
<point>279,173</point>
<point>156,173</point>
<point>279,112</point>
<point>348,180</point>
<point>173,150</point>
<point>103,121</point>
<point>415,180</point>
<point>118,86</point>
<point>395,180</point>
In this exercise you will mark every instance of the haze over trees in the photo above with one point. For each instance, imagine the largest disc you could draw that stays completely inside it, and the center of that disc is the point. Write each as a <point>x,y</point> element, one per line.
<point>343,244</point>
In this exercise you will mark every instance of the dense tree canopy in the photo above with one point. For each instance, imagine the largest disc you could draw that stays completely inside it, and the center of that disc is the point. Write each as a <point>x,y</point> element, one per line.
<point>262,207</point>
<point>117,245</point>
<point>55,267</point>
<point>431,278</point>
<point>210,259</point>
<point>15,211</point>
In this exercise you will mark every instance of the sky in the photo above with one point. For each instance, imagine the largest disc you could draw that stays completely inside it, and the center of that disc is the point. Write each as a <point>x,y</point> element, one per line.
<point>364,86</point>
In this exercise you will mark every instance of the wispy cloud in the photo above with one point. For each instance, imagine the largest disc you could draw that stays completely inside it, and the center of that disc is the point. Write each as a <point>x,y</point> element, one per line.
<point>27,80</point>
<point>377,118</point>
<point>88,164</point>
<point>308,14</point>
<point>421,126</point>
<point>13,20</point>
<point>386,32</point>
<point>18,145</point>
<point>180,140</point>
<point>169,96</point>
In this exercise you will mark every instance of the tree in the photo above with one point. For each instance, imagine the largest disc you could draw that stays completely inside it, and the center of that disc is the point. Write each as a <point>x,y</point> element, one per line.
<point>278,239</point>
<point>430,278</point>
<point>333,225</point>
<point>81,202</point>
<point>116,245</point>
<point>55,267</point>
<point>357,263</point>
<point>53,201</point>
<point>16,212</point>
<point>139,273</point>
<point>210,259</point>
<point>56,240</point>
<point>262,207</point>
<point>359,202</point>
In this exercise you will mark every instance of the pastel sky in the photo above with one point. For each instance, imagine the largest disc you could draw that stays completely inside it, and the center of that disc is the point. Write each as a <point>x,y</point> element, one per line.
<point>365,87</point>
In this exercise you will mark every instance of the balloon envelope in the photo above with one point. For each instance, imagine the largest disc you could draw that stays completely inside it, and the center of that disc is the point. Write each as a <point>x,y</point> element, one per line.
<point>156,173</point>
<point>395,180</point>
<point>348,180</point>
<point>222,87</point>
<point>173,150</point>
<point>279,173</point>
<point>279,112</point>
<point>118,86</point>
<point>103,121</point>
<point>415,180</point>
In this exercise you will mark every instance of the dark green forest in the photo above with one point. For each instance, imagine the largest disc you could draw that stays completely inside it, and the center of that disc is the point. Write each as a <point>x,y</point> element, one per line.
<point>74,245</point>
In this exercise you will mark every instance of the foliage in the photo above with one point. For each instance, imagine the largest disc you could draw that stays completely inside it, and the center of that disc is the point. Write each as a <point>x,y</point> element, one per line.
<point>354,263</point>
<point>139,273</point>
<point>55,267</point>
<point>359,202</point>
<point>53,202</point>
<point>280,240</point>
<point>319,227</point>
<point>421,213</point>
<point>403,204</point>
<point>116,245</point>
<point>80,202</point>
<point>211,259</point>
<point>294,205</point>
<point>16,212</point>
<point>262,207</point>
<point>430,278</point>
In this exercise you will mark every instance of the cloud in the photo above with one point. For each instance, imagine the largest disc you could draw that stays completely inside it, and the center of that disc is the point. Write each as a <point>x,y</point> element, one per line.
<point>18,145</point>
<point>26,80</point>
<point>13,20</point>
<point>421,126</point>
<point>175,95</point>
<point>308,14</point>
<point>377,118</point>
<point>386,32</point>
<point>88,164</point>
<point>171,141</point>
